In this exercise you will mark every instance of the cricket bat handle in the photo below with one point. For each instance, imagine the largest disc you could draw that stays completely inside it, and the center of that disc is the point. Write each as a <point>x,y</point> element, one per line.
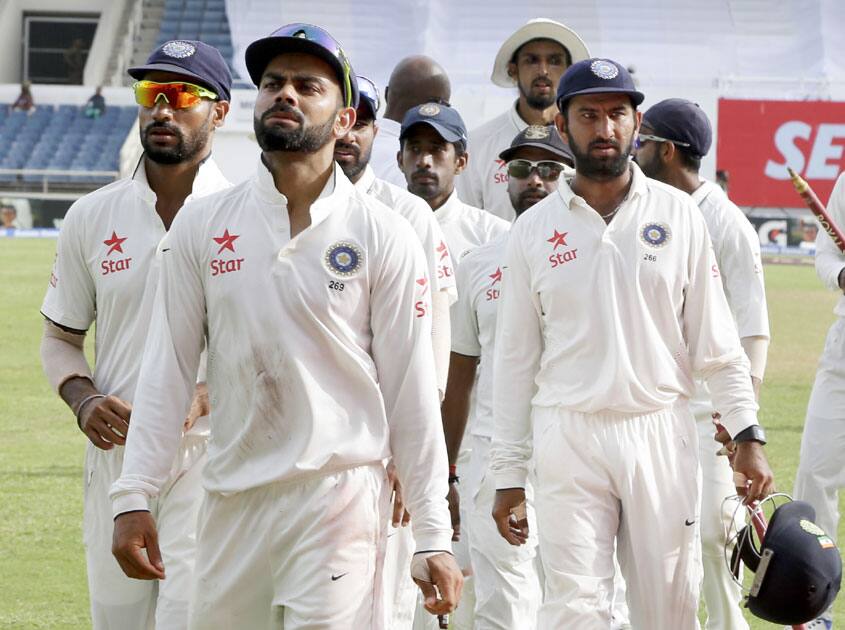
<point>818,209</point>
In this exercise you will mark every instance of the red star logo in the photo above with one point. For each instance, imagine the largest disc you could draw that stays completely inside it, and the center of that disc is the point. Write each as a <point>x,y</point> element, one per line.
<point>115,243</point>
<point>226,241</point>
<point>557,239</point>
<point>500,163</point>
<point>423,282</point>
<point>442,250</point>
<point>497,276</point>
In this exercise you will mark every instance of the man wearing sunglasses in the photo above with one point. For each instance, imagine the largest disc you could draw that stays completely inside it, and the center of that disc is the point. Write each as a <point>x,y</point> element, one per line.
<point>532,59</point>
<point>507,587</point>
<point>353,152</point>
<point>105,272</point>
<point>316,303</point>
<point>675,135</point>
<point>612,302</point>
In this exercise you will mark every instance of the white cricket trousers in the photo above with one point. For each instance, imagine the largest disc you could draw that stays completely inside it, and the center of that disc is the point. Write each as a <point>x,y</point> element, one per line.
<point>507,584</point>
<point>721,594</point>
<point>293,555</point>
<point>631,478</point>
<point>119,602</point>
<point>821,468</point>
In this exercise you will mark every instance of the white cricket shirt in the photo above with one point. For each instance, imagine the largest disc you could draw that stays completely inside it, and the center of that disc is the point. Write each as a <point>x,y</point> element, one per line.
<point>829,260</point>
<point>474,323</point>
<point>418,213</point>
<point>466,227</point>
<point>106,265</point>
<point>484,182</point>
<point>319,349</point>
<point>737,249</point>
<point>383,157</point>
<point>611,318</point>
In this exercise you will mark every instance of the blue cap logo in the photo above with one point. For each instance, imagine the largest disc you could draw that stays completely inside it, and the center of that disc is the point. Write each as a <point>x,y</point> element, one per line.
<point>604,69</point>
<point>536,132</point>
<point>429,109</point>
<point>178,49</point>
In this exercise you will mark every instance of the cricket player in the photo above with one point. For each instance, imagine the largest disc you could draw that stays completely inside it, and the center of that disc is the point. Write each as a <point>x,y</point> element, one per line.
<point>433,141</point>
<point>415,80</point>
<point>674,136</point>
<point>106,273</point>
<point>533,59</point>
<point>352,152</point>
<point>821,468</point>
<point>315,300</point>
<point>612,302</point>
<point>507,586</point>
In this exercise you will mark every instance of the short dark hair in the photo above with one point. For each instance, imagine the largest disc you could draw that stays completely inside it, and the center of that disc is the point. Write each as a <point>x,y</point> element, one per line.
<point>566,52</point>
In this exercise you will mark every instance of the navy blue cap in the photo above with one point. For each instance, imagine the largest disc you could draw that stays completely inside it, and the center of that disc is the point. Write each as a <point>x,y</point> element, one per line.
<point>798,569</point>
<point>303,38</point>
<point>680,120</point>
<point>445,120</point>
<point>596,76</point>
<point>368,95</point>
<point>543,137</point>
<point>193,59</point>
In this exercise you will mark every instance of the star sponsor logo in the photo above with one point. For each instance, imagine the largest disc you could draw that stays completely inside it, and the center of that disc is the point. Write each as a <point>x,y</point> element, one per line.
<point>442,250</point>
<point>227,241</point>
<point>444,269</point>
<point>115,243</point>
<point>500,175</point>
<point>421,305</point>
<point>110,265</point>
<point>220,266</point>
<point>556,258</point>
<point>492,293</point>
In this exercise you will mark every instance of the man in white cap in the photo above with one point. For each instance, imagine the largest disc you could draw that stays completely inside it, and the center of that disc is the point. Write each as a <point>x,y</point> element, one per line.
<point>533,59</point>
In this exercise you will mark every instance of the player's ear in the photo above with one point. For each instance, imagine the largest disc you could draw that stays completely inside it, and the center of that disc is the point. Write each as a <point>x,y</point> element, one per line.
<point>512,70</point>
<point>219,111</point>
<point>461,162</point>
<point>375,129</point>
<point>399,160</point>
<point>560,124</point>
<point>344,121</point>
<point>667,151</point>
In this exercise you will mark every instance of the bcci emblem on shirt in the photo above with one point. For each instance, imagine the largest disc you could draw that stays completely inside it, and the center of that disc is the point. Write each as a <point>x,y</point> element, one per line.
<point>655,234</point>
<point>343,259</point>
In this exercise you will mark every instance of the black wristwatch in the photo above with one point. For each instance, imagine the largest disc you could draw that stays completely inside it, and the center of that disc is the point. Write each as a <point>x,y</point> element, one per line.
<point>754,433</point>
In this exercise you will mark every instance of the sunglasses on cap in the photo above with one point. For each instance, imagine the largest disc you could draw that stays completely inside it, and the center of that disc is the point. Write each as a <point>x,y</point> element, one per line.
<point>368,90</point>
<point>645,137</point>
<point>178,94</point>
<point>548,170</point>
<point>320,37</point>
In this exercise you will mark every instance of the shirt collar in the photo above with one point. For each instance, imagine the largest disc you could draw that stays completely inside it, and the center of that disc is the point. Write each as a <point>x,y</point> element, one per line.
<point>639,186</point>
<point>337,188</point>
<point>702,192</point>
<point>516,119</point>
<point>451,207</point>
<point>206,181</point>
<point>368,178</point>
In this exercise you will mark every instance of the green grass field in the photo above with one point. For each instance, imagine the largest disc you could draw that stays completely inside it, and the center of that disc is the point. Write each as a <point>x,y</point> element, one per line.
<point>41,449</point>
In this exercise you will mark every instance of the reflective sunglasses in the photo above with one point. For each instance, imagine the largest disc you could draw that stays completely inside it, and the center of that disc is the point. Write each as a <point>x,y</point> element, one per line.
<point>178,94</point>
<point>548,170</point>
<point>645,137</point>
<point>368,90</point>
<point>320,37</point>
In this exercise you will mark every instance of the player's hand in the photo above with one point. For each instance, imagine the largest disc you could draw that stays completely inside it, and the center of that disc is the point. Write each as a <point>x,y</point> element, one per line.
<point>105,421</point>
<point>133,532</point>
<point>442,590</point>
<point>750,462</point>
<point>509,514</point>
<point>199,406</point>
<point>400,515</point>
<point>454,499</point>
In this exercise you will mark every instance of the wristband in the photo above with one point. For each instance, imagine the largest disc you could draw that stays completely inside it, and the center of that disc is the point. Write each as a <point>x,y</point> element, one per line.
<point>84,402</point>
<point>754,433</point>
<point>453,474</point>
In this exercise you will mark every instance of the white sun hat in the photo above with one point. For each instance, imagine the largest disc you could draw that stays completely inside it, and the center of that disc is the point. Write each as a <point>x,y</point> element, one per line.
<point>539,28</point>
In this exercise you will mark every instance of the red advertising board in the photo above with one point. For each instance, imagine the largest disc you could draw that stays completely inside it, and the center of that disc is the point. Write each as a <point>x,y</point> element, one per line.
<point>759,139</point>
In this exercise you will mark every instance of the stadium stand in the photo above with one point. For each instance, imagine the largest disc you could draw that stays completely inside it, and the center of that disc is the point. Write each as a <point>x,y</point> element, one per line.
<point>61,138</point>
